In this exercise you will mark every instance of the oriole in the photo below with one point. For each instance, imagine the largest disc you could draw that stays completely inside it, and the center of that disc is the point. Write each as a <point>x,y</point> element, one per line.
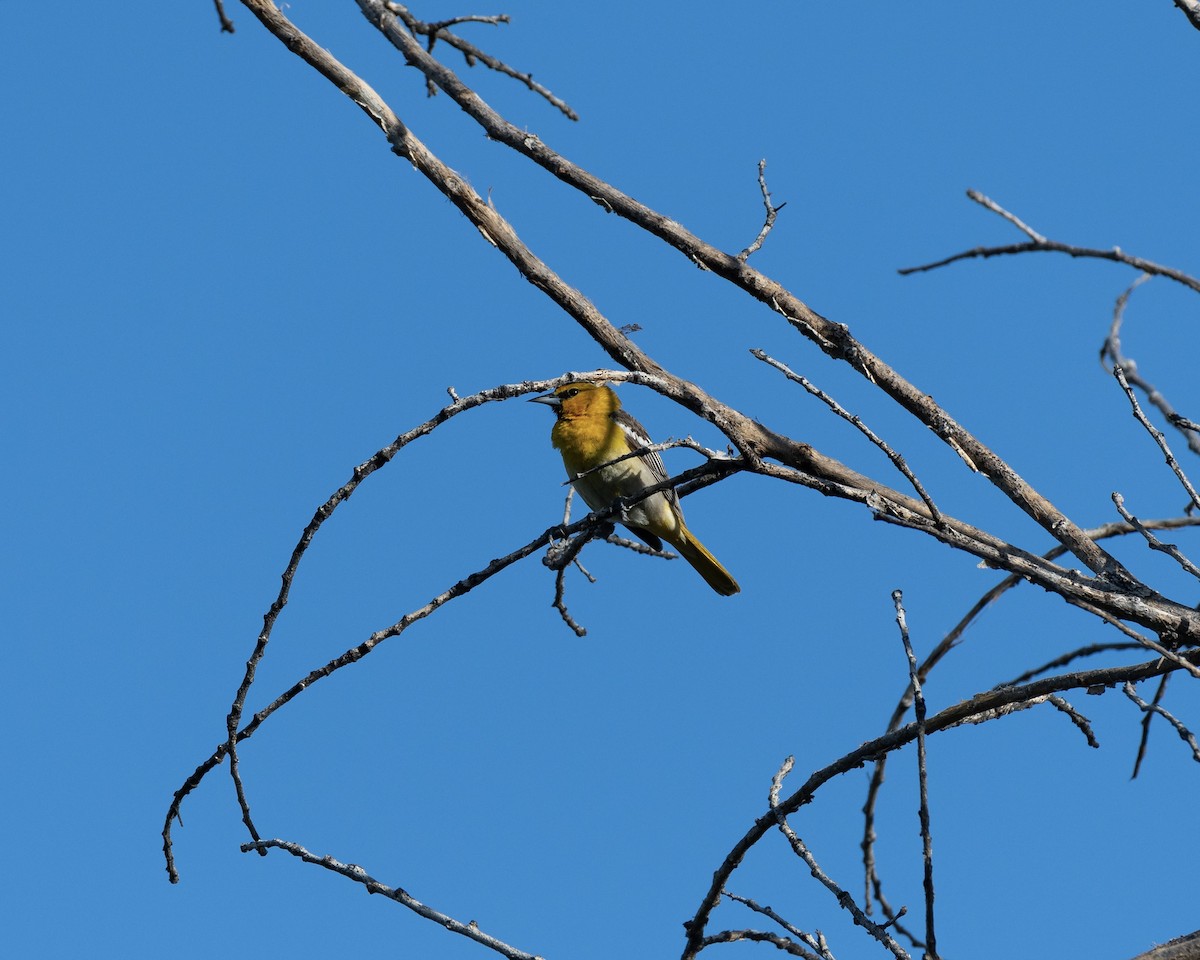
<point>591,431</point>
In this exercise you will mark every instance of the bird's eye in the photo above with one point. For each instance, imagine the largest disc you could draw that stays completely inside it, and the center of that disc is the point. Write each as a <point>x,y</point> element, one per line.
<point>573,392</point>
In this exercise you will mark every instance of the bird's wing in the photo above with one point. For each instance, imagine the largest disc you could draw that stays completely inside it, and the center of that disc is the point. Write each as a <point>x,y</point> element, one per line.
<point>637,438</point>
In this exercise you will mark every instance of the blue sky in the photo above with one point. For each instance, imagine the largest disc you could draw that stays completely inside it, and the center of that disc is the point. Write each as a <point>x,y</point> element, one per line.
<point>221,292</point>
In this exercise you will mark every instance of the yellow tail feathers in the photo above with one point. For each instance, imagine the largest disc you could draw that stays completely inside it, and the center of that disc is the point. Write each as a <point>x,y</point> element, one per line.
<point>705,564</point>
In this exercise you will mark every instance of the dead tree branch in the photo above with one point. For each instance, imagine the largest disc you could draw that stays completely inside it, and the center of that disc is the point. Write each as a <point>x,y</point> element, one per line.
<point>356,873</point>
<point>1039,244</point>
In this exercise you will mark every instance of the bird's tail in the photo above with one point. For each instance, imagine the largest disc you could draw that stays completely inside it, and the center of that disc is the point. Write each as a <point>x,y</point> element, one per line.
<point>705,564</point>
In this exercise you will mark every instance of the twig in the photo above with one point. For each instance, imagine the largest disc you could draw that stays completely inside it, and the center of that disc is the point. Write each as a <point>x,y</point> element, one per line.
<point>922,775</point>
<point>1040,244</point>
<point>1185,734</point>
<point>1147,717</point>
<point>1077,718</point>
<point>1152,541</point>
<point>1156,434</point>
<point>561,605</point>
<point>772,212</point>
<point>992,205</point>
<point>1061,661</point>
<point>438,31</point>
<point>815,943</point>
<point>759,936</point>
<point>1111,350</point>
<point>356,873</point>
<point>667,444</point>
<point>226,23</point>
<point>897,460</point>
<point>845,901</point>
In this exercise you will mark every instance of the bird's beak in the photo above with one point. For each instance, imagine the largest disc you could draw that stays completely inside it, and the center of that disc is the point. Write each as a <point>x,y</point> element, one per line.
<point>547,398</point>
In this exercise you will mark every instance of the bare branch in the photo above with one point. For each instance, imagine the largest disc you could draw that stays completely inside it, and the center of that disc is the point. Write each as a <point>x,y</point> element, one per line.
<point>356,873</point>
<point>226,23</point>
<point>1112,350</point>
<point>845,901</point>
<point>815,943</point>
<point>758,936</point>
<point>1040,244</point>
<point>473,55</point>
<point>560,603</point>
<point>1152,541</point>
<point>897,460</point>
<point>1061,661</point>
<point>772,212</point>
<point>1157,435</point>
<point>922,775</point>
<point>992,205</point>
<point>1185,734</point>
<point>1147,717</point>
<point>1077,718</point>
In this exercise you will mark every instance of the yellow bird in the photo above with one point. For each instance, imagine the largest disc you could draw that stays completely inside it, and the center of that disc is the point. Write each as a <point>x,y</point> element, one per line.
<point>591,431</point>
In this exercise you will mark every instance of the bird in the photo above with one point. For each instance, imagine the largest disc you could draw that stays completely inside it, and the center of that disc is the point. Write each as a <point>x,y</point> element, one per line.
<point>591,431</point>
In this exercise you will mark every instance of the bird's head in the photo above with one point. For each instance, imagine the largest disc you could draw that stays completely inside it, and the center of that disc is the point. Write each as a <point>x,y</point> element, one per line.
<point>580,397</point>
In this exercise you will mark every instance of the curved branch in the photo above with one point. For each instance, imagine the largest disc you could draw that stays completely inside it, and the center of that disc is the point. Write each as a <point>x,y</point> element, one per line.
<point>981,707</point>
<point>235,733</point>
<point>356,873</point>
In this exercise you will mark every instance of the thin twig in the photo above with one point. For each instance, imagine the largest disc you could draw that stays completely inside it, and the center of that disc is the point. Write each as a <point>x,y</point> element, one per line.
<point>922,775</point>
<point>1156,434</point>
<point>1170,549</point>
<point>356,873</point>
<point>1077,718</point>
<point>668,444</point>
<point>1185,734</point>
<point>772,212</point>
<point>758,936</point>
<point>226,23</point>
<point>1147,717</point>
<point>438,31</point>
<point>815,943</point>
<point>844,899</point>
<point>897,460</point>
<point>1061,661</point>
<point>1040,244</point>
<point>560,604</point>
<point>1012,218</point>
<point>1111,350</point>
